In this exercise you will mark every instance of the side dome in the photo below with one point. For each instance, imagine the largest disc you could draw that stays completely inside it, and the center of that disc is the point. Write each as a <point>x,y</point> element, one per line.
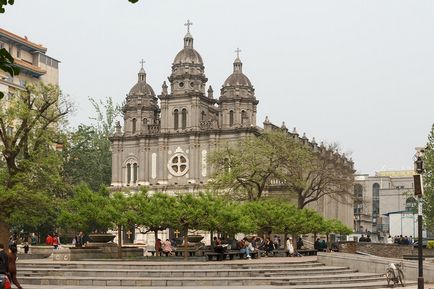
<point>237,84</point>
<point>237,79</point>
<point>141,87</point>
<point>188,55</point>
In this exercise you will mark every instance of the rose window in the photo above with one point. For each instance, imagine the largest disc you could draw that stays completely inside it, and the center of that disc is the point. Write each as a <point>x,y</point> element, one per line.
<point>178,165</point>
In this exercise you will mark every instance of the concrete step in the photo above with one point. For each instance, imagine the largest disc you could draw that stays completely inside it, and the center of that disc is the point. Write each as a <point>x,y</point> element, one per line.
<point>196,281</point>
<point>168,266</point>
<point>182,273</point>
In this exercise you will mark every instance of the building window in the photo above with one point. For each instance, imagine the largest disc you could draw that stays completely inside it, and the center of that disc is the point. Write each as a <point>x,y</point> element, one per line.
<point>243,117</point>
<point>203,115</point>
<point>176,119</point>
<point>134,121</point>
<point>231,118</point>
<point>18,53</point>
<point>411,205</point>
<point>178,164</point>
<point>9,130</point>
<point>134,173</point>
<point>2,45</point>
<point>184,118</point>
<point>128,174</point>
<point>375,199</point>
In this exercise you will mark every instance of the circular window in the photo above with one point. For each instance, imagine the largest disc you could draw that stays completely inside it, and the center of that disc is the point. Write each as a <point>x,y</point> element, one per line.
<point>178,165</point>
<point>181,84</point>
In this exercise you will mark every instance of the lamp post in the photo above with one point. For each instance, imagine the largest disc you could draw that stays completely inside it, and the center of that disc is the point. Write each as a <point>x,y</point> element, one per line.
<point>418,191</point>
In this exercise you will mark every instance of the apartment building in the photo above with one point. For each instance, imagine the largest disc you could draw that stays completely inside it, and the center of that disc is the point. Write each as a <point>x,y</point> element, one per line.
<point>31,58</point>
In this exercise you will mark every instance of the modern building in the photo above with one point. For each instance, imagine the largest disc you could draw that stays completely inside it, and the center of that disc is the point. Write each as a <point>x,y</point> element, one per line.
<point>376,197</point>
<point>165,139</point>
<point>31,58</point>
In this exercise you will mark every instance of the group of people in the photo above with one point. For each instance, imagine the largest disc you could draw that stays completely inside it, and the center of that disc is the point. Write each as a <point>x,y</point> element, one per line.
<point>165,247</point>
<point>400,240</point>
<point>53,240</point>
<point>8,263</point>
<point>366,239</point>
<point>254,245</point>
<point>320,245</point>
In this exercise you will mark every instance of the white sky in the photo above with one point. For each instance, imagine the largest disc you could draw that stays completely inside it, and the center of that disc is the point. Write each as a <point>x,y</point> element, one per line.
<point>356,72</point>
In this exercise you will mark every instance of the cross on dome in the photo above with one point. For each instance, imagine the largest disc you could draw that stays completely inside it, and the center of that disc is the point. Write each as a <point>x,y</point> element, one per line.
<point>142,62</point>
<point>188,24</point>
<point>238,52</point>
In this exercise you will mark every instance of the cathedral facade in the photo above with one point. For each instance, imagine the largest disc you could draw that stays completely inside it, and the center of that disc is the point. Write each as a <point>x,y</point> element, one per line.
<point>165,139</point>
<point>164,145</point>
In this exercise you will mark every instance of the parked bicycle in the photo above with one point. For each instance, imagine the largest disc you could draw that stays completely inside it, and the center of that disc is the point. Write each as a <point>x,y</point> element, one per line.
<point>394,274</point>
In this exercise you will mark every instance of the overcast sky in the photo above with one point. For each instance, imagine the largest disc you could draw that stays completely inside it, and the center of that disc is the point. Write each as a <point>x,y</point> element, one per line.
<point>359,73</point>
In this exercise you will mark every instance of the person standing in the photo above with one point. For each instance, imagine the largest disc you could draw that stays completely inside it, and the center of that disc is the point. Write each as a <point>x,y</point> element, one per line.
<point>4,262</point>
<point>49,240</point>
<point>289,247</point>
<point>55,242</point>
<point>12,266</point>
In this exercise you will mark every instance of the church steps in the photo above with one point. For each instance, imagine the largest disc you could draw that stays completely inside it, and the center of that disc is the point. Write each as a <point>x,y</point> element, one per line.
<point>183,273</point>
<point>190,281</point>
<point>276,272</point>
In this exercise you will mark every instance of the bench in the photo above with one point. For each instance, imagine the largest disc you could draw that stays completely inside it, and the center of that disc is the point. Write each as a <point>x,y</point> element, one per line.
<point>308,252</point>
<point>231,254</point>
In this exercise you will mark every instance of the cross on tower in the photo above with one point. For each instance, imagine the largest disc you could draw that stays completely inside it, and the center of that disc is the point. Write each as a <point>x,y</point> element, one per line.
<point>142,62</point>
<point>188,24</point>
<point>238,52</point>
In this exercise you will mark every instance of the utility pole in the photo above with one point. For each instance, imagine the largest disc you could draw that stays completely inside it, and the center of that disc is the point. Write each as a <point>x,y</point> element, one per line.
<point>418,191</point>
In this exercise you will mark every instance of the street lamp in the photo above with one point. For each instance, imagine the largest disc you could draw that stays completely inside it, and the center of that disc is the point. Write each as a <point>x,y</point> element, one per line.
<point>418,191</point>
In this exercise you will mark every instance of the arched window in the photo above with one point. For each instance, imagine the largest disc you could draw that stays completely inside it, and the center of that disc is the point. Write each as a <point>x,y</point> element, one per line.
<point>231,118</point>
<point>243,117</point>
<point>128,174</point>
<point>175,119</point>
<point>203,116</point>
<point>134,121</point>
<point>145,121</point>
<point>134,173</point>
<point>411,204</point>
<point>184,118</point>
<point>375,199</point>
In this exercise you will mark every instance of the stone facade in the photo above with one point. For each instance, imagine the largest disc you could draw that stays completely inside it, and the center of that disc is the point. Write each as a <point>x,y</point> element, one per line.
<point>166,138</point>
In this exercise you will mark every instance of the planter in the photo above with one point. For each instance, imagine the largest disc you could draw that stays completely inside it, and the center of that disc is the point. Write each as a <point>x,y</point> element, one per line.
<point>194,238</point>
<point>102,238</point>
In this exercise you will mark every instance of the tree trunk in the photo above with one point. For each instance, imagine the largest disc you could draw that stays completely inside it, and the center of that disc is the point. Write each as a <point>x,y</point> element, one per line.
<point>211,233</point>
<point>157,253</point>
<point>120,241</point>
<point>186,243</point>
<point>284,238</point>
<point>4,234</point>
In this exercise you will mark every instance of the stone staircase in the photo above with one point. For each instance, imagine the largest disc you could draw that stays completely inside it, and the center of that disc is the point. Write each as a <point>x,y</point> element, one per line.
<point>270,272</point>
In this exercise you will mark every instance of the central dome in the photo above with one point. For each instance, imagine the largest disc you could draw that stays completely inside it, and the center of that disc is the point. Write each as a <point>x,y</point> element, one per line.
<point>188,55</point>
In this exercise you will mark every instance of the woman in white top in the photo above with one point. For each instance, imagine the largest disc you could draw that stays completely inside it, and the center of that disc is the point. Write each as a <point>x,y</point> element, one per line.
<point>289,247</point>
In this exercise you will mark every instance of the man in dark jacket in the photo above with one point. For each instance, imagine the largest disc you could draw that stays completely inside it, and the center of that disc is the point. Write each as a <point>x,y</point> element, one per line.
<point>4,261</point>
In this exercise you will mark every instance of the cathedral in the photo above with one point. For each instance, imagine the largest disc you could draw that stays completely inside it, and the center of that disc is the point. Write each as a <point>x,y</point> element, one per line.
<point>166,138</point>
<point>164,145</point>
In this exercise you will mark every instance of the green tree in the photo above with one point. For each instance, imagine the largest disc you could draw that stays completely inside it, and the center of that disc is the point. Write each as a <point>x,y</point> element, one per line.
<point>88,148</point>
<point>30,170</point>
<point>429,181</point>
<point>87,211</point>
<point>190,213</point>
<point>154,212</point>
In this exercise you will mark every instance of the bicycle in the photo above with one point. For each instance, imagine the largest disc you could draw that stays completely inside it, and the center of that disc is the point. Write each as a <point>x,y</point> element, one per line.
<point>394,274</point>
